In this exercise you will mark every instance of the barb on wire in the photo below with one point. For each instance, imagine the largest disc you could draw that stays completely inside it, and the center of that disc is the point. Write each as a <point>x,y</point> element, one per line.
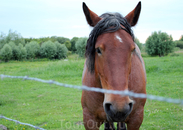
<point>18,122</point>
<point>123,93</point>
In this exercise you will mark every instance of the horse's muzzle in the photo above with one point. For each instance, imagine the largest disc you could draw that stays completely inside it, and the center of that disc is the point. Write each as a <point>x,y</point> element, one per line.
<point>114,115</point>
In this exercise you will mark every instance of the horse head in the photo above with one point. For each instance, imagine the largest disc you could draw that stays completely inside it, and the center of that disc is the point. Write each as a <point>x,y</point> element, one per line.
<point>108,54</point>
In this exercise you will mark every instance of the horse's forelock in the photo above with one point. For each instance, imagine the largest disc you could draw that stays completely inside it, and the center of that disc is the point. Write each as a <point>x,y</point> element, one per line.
<point>110,22</point>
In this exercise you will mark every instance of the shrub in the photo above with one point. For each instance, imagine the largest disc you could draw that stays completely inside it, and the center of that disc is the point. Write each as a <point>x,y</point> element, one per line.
<point>6,53</point>
<point>11,44</point>
<point>174,54</point>
<point>179,44</point>
<point>23,51</point>
<point>12,36</point>
<point>80,46</point>
<point>176,49</point>
<point>48,50</point>
<point>159,44</point>
<point>69,53</point>
<point>33,49</point>
<point>73,43</point>
<point>30,51</point>
<point>61,51</point>
<point>2,40</point>
<point>15,37</point>
<point>68,45</point>
<point>15,51</point>
<point>62,40</point>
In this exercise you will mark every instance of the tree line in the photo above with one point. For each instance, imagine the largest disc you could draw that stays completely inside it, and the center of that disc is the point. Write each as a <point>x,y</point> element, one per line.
<point>14,47</point>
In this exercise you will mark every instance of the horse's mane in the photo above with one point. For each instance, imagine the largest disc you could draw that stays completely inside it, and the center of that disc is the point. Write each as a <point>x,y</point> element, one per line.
<point>110,22</point>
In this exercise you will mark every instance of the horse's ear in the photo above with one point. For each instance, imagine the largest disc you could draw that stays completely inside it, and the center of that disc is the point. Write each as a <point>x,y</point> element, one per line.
<point>91,17</point>
<point>133,16</point>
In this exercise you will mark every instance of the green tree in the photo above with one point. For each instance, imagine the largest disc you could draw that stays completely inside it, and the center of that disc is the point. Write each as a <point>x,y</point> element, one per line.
<point>2,40</point>
<point>36,47</point>
<point>27,40</point>
<point>23,52</point>
<point>6,53</point>
<point>15,37</point>
<point>15,51</point>
<point>179,44</point>
<point>53,38</point>
<point>62,39</point>
<point>33,49</point>
<point>48,50</point>
<point>73,42</point>
<point>61,51</point>
<point>12,36</point>
<point>68,45</point>
<point>81,46</point>
<point>159,43</point>
<point>30,51</point>
<point>42,40</point>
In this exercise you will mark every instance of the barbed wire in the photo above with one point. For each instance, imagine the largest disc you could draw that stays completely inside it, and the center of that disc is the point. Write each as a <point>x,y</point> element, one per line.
<point>18,122</point>
<point>122,93</point>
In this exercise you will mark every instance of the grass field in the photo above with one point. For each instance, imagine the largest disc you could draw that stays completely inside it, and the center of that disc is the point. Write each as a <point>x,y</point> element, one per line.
<point>58,108</point>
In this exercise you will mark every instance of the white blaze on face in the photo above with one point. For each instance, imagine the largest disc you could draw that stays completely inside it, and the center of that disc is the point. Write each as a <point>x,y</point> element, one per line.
<point>120,40</point>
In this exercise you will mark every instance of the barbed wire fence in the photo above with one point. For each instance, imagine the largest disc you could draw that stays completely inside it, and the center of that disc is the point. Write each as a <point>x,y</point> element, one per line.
<point>18,122</point>
<point>86,88</point>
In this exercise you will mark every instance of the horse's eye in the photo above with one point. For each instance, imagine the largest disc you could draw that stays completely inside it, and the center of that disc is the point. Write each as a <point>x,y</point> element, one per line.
<point>98,51</point>
<point>133,50</point>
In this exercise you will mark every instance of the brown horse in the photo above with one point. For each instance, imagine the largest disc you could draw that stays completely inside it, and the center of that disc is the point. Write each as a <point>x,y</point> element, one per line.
<point>113,62</point>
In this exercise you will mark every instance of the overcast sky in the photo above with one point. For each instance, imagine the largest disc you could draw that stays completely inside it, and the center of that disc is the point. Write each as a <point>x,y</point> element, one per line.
<point>42,18</point>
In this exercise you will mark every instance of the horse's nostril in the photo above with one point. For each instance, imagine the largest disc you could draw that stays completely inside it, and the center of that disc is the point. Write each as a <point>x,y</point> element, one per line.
<point>131,105</point>
<point>108,106</point>
<point>116,115</point>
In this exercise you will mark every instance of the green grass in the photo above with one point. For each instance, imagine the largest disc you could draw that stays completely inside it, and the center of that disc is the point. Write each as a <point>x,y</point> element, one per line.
<point>58,108</point>
<point>164,78</point>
